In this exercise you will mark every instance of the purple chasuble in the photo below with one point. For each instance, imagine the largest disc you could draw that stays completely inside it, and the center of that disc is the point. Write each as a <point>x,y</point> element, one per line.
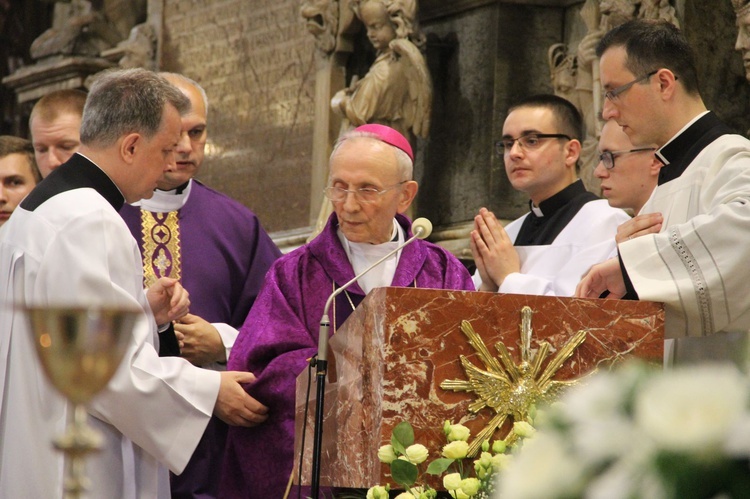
<point>281,333</point>
<point>224,256</point>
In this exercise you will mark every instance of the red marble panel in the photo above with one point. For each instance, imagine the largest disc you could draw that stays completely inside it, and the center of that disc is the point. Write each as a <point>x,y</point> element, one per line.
<point>398,346</point>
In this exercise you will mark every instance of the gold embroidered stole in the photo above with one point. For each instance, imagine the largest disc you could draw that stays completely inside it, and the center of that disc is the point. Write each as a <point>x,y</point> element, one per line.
<point>162,256</point>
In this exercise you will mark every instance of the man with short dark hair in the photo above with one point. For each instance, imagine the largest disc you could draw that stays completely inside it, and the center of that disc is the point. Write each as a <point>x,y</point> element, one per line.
<point>697,264</point>
<point>18,173</point>
<point>66,245</point>
<point>55,124</point>
<point>568,229</point>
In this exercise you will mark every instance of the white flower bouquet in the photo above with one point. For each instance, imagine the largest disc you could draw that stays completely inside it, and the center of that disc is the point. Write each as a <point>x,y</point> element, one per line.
<point>461,477</point>
<point>640,433</point>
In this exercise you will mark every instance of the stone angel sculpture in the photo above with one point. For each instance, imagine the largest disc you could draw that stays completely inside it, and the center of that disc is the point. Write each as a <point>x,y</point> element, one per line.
<point>397,89</point>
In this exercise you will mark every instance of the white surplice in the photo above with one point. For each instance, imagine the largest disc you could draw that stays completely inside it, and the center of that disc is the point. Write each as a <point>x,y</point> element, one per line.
<point>555,269</point>
<point>699,264</point>
<point>75,249</point>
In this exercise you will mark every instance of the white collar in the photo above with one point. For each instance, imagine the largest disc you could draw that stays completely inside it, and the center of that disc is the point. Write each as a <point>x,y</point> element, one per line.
<point>165,201</point>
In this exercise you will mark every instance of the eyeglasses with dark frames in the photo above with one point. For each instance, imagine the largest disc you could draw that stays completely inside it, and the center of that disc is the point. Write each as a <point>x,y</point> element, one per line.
<point>608,157</point>
<point>613,94</point>
<point>363,195</point>
<point>527,141</point>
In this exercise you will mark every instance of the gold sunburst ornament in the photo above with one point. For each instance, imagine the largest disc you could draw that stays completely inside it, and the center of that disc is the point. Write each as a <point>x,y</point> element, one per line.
<point>507,388</point>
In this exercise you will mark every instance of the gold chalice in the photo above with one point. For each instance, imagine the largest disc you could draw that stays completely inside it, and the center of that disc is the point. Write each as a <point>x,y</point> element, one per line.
<point>80,349</point>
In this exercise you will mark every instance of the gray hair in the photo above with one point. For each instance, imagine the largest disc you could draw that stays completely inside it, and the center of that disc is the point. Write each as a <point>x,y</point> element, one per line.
<point>188,81</point>
<point>403,162</point>
<point>123,101</point>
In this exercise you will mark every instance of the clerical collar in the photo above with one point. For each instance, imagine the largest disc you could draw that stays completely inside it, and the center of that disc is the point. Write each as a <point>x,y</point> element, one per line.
<point>551,205</point>
<point>684,147</point>
<point>78,172</point>
<point>166,201</point>
<point>362,255</point>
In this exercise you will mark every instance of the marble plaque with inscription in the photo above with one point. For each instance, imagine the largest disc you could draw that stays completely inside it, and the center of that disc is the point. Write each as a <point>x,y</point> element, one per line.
<point>390,357</point>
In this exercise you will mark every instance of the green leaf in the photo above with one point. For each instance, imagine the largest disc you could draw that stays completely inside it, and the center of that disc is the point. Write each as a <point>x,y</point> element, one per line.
<point>403,437</point>
<point>438,466</point>
<point>404,473</point>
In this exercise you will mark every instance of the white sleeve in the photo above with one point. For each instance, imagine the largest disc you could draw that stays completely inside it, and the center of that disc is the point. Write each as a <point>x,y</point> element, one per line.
<point>557,268</point>
<point>161,404</point>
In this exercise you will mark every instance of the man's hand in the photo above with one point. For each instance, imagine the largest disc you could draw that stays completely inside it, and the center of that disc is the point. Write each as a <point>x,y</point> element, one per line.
<point>199,341</point>
<point>602,277</point>
<point>168,300</point>
<point>493,251</point>
<point>234,406</point>
<point>649,223</point>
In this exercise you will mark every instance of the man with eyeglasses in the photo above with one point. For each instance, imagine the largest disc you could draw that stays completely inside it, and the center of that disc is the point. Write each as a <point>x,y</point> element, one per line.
<point>568,229</point>
<point>370,186</point>
<point>628,173</point>
<point>697,264</point>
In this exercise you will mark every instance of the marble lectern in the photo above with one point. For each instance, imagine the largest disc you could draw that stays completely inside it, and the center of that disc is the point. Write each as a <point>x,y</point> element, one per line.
<point>390,357</point>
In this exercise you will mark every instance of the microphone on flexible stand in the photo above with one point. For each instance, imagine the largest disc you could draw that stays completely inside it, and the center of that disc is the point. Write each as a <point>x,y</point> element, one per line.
<point>421,228</point>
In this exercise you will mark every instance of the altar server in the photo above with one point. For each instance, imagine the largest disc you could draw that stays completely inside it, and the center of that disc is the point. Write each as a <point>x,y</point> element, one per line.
<point>629,175</point>
<point>18,174</point>
<point>55,126</point>
<point>697,264</point>
<point>370,185</point>
<point>546,251</point>
<point>67,245</point>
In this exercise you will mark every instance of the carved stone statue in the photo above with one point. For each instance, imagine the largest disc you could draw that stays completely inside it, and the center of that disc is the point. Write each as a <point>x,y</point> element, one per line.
<point>81,29</point>
<point>397,90</point>
<point>742,9</point>
<point>139,49</point>
<point>321,20</point>
<point>576,77</point>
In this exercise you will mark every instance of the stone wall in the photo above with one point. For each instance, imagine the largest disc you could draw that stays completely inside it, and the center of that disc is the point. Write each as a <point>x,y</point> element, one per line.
<point>255,60</point>
<point>257,63</point>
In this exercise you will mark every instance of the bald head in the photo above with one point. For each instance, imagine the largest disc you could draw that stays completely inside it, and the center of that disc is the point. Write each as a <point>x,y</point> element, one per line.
<point>190,150</point>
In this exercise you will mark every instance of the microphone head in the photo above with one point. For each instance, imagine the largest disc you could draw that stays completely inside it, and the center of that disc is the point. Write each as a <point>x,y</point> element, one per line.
<point>421,228</point>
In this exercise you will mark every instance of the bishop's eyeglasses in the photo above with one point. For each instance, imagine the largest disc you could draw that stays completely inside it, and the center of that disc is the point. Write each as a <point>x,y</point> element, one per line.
<point>527,141</point>
<point>608,157</point>
<point>362,195</point>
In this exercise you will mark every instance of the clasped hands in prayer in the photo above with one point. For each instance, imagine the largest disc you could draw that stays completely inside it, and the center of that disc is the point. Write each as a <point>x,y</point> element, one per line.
<point>493,251</point>
<point>169,301</point>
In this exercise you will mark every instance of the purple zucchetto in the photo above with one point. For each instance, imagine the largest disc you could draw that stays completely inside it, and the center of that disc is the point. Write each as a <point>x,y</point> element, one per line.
<point>389,136</point>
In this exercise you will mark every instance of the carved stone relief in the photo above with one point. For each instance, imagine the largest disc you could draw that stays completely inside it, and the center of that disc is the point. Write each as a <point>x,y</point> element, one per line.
<point>80,29</point>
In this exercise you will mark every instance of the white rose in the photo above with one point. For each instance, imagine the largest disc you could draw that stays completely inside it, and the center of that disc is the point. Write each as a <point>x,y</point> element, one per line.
<point>456,450</point>
<point>458,432</point>
<point>417,453</point>
<point>470,486</point>
<point>386,454</point>
<point>452,481</point>
<point>545,458</point>
<point>523,429</point>
<point>694,409</point>
<point>377,492</point>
